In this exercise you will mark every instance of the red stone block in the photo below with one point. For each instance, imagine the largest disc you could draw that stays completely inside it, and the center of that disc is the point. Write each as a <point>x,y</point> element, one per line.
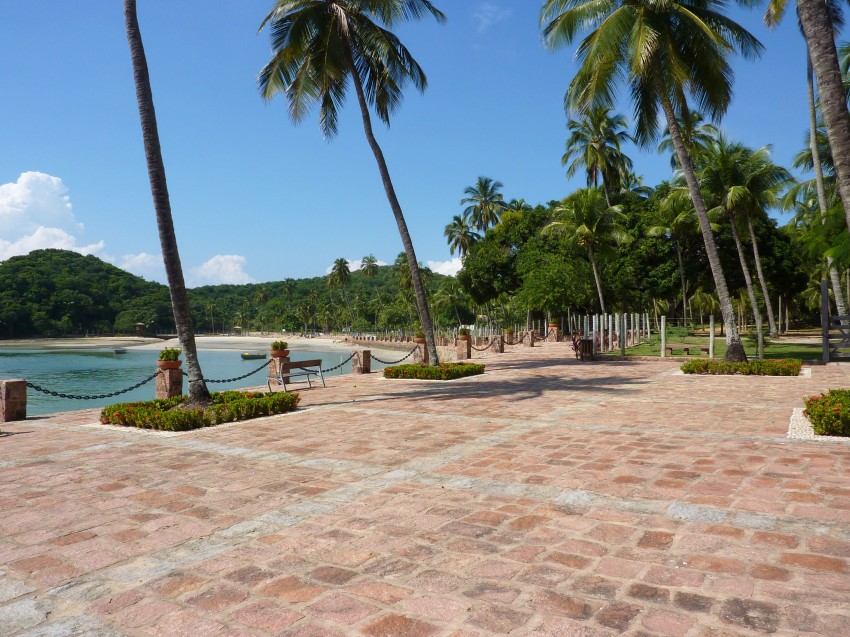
<point>13,400</point>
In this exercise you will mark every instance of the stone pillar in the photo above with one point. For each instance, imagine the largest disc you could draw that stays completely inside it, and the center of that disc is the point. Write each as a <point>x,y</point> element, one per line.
<point>529,339</point>
<point>420,355</point>
<point>663,331</point>
<point>274,366</point>
<point>711,336</point>
<point>464,349</point>
<point>13,400</point>
<point>553,335</point>
<point>362,362</point>
<point>169,383</point>
<point>498,344</point>
<point>509,339</point>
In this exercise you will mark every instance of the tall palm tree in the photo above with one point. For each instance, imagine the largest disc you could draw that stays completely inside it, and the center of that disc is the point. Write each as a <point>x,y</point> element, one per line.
<point>696,135</point>
<point>665,51</point>
<point>676,220</point>
<point>817,19</point>
<point>318,47</point>
<point>517,205</point>
<point>340,276</point>
<point>586,218</point>
<point>198,391</point>
<point>461,235</point>
<point>485,203</point>
<point>211,308</point>
<point>595,144</point>
<point>369,266</point>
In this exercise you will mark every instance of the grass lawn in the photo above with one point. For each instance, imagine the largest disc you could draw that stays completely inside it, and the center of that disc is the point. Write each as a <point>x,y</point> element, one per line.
<point>813,351</point>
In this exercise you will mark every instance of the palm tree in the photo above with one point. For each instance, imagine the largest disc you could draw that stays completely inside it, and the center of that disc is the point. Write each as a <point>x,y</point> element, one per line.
<point>211,307</point>
<point>461,235</point>
<point>318,47</point>
<point>676,220</point>
<point>340,276</point>
<point>369,266</point>
<point>595,144</point>
<point>817,19</point>
<point>485,203</point>
<point>666,50</point>
<point>517,205</point>
<point>585,217</point>
<point>198,391</point>
<point>696,135</point>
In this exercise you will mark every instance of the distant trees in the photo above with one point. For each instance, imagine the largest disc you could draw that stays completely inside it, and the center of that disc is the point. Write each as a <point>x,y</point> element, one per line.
<point>484,203</point>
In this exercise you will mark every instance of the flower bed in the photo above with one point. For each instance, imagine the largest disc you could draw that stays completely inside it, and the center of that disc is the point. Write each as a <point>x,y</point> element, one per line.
<point>829,413</point>
<point>445,371</point>
<point>228,406</point>
<point>786,367</point>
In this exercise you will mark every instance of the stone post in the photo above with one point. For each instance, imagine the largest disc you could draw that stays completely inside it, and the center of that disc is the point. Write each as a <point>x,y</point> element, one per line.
<point>594,332</point>
<point>13,400</point>
<point>623,333</point>
<point>464,349</point>
<point>529,341</point>
<point>498,344</point>
<point>663,336</point>
<point>362,362</point>
<point>169,383</point>
<point>711,336</point>
<point>610,332</point>
<point>420,354</point>
<point>553,335</point>
<point>509,338</point>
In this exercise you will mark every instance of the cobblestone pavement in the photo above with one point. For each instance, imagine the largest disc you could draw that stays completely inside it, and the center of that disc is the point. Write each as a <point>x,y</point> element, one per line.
<point>546,497</point>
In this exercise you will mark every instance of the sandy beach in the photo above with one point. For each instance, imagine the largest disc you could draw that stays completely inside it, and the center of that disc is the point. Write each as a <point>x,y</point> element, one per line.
<point>241,343</point>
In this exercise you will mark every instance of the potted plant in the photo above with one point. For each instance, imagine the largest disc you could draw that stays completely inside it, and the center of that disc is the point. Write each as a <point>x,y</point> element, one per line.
<point>420,335</point>
<point>508,330</point>
<point>463,334</point>
<point>169,358</point>
<point>279,349</point>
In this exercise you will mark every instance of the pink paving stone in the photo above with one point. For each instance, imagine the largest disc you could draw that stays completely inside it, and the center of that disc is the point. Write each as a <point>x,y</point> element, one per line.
<point>117,602</point>
<point>266,615</point>
<point>379,591</point>
<point>395,625</point>
<point>218,598</point>
<point>619,568</point>
<point>145,613</point>
<point>673,577</point>
<point>439,609</point>
<point>498,619</point>
<point>341,609</point>
<point>187,624</point>
<point>667,623</point>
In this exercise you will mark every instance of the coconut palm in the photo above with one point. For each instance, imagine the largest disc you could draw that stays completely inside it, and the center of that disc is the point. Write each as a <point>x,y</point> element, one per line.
<point>198,391</point>
<point>460,234</point>
<point>704,303</point>
<point>585,217</point>
<point>665,51</point>
<point>818,21</point>
<point>369,266</point>
<point>677,221</point>
<point>595,144</point>
<point>318,47</point>
<point>340,276</point>
<point>485,203</point>
<point>696,135</point>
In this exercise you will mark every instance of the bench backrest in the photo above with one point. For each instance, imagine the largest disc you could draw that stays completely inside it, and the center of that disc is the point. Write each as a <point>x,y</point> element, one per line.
<point>286,367</point>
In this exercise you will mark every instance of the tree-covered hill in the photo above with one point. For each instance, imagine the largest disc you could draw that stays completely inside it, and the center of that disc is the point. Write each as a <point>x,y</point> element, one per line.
<point>58,292</point>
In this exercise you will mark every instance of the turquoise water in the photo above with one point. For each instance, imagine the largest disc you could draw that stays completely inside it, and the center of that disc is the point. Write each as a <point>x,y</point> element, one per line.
<point>100,371</point>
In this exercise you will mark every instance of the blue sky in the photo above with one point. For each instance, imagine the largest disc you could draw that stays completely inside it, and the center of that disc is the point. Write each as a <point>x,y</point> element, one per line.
<point>256,198</point>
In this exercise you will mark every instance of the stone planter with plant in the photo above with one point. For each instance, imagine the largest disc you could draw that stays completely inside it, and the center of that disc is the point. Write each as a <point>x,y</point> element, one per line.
<point>279,349</point>
<point>169,358</point>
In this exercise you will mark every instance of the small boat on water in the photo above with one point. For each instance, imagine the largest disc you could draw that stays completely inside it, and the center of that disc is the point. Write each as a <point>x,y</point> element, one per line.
<point>247,356</point>
<point>120,350</point>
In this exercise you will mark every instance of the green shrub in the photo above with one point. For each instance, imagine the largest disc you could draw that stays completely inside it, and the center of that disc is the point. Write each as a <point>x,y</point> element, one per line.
<point>279,345</point>
<point>830,413</point>
<point>786,367</point>
<point>464,331</point>
<point>228,406</point>
<point>445,371</point>
<point>170,354</point>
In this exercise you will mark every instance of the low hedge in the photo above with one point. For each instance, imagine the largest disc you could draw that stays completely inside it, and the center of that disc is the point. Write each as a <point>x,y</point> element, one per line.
<point>830,413</point>
<point>786,367</point>
<point>445,371</point>
<point>228,406</point>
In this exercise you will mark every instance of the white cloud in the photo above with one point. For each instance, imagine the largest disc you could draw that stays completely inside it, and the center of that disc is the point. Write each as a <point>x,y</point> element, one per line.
<point>487,14</point>
<point>143,264</point>
<point>353,265</point>
<point>222,268</point>
<point>449,268</point>
<point>35,214</point>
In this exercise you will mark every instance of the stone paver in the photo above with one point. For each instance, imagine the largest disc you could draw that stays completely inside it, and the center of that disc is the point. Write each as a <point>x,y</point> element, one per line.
<point>547,497</point>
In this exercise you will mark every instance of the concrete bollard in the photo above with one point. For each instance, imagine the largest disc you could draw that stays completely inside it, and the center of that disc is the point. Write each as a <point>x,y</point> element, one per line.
<point>420,354</point>
<point>529,339</point>
<point>498,344</point>
<point>169,383</point>
<point>509,338</point>
<point>554,334</point>
<point>362,362</point>
<point>463,348</point>
<point>13,400</point>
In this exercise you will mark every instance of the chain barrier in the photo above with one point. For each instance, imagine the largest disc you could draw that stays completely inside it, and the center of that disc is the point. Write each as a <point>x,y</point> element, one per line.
<point>233,380</point>
<point>484,349</point>
<point>409,354</point>
<point>332,369</point>
<point>98,397</point>
<point>524,334</point>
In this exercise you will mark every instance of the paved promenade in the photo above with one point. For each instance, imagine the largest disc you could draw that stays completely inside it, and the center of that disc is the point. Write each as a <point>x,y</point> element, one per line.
<point>547,497</point>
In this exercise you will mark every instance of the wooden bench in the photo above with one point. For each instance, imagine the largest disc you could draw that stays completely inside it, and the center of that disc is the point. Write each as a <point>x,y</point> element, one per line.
<point>308,369</point>
<point>685,347</point>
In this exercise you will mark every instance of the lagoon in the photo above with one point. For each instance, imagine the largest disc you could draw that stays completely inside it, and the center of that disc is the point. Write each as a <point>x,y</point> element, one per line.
<point>100,371</point>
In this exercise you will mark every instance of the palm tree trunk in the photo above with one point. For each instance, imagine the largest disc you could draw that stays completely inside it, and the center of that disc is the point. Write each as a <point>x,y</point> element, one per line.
<point>596,278</point>
<point>682,277</point>
<point>771,319</point>
<point>818,29</point>
<point>823,205</point>
<point>748,280</point>
<point>734,348</point>
<point>415,275</point>
<point>198,391</point>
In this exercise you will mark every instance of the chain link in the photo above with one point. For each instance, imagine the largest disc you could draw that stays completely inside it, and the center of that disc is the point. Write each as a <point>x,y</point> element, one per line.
<point>409,354</point>
<point>98,397</point>
<point>484,349</point>
<point>332,369</point>
<point>233,380</point>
